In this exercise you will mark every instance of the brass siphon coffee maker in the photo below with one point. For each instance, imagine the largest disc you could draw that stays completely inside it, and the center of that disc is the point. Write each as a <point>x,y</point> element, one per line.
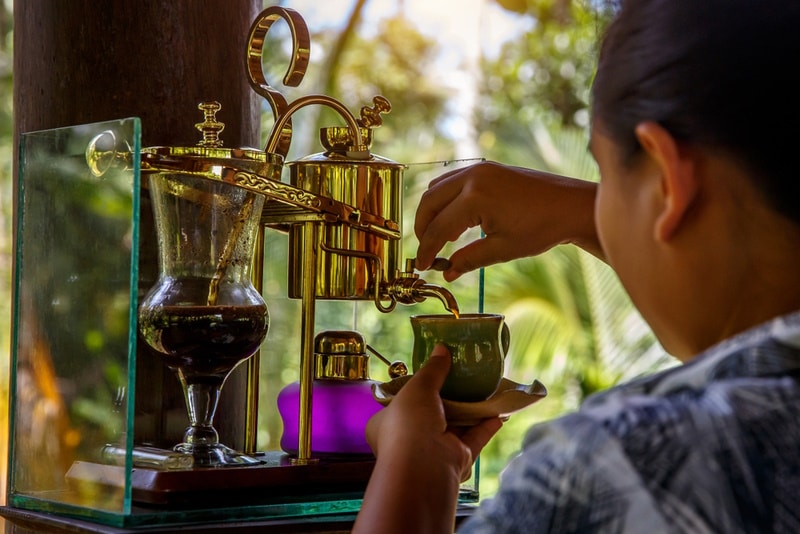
<point>341,210</point>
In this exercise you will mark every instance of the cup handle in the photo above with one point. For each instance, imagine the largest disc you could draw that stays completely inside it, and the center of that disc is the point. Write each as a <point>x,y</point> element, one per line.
<point>505,338</point>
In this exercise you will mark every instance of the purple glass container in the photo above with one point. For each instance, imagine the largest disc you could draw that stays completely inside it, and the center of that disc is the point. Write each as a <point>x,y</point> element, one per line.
<point>339,414</point>
<point>342,400</point>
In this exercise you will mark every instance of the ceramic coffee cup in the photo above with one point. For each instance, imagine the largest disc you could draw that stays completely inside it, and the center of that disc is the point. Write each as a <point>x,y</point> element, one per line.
<point>478,343</point>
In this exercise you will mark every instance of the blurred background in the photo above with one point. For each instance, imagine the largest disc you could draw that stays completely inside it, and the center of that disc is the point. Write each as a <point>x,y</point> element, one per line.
<point>504,80</point>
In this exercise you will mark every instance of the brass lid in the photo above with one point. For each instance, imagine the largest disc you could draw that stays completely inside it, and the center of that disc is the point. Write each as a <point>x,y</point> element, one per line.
<point>340,355</point>
<point>208,158</point>
<point>245,167</point>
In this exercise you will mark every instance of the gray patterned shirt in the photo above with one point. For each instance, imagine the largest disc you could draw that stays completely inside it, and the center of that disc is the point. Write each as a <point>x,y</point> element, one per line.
<point>709,446</point>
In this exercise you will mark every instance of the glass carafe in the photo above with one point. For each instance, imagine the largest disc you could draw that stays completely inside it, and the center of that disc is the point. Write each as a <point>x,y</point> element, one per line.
<point>203,316</point>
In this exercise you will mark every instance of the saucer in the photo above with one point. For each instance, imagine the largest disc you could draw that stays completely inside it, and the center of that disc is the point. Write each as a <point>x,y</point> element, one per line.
<point>509,397</point>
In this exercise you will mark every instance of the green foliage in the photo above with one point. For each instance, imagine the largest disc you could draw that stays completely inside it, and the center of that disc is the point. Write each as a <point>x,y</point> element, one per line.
<point>398,65</point>
<point>544,76</point>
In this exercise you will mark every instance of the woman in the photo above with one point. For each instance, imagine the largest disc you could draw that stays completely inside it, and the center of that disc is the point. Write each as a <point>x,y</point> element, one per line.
<point>698,211</point>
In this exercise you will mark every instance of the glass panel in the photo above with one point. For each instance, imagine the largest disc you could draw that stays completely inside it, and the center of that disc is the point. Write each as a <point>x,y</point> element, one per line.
<point>74,326</point>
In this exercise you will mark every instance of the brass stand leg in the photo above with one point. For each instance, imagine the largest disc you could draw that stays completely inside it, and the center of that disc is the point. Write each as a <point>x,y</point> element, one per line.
<point>307,342</point>
<point>254,363</point>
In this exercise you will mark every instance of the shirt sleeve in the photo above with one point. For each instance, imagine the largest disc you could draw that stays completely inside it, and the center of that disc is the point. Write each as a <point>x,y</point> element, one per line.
<point>571,476</point>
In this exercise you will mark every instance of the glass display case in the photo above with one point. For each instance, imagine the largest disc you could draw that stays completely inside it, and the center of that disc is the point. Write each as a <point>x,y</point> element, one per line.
<point>80,445</point>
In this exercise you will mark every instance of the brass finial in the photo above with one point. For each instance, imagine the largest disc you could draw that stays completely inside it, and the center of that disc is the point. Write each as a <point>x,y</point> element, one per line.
<point>210,127</point>
<point>371,116</point>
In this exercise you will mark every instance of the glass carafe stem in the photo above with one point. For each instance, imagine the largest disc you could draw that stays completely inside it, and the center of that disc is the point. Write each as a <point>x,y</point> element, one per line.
<point>201,439</point>
<point>201,403</point>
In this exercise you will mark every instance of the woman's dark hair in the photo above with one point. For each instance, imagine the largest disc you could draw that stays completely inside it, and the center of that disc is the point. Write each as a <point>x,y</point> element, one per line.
<point>718,73</point>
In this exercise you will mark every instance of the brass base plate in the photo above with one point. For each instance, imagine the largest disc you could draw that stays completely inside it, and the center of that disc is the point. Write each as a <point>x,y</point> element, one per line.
<point>278,477</point>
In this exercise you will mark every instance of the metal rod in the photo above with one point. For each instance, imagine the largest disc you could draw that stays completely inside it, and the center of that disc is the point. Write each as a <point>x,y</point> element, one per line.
<point>307,341</point>
<point>254,363</point>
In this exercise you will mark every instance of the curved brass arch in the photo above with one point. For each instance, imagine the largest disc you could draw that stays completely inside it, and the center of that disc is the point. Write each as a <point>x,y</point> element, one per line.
<point>301,49</point>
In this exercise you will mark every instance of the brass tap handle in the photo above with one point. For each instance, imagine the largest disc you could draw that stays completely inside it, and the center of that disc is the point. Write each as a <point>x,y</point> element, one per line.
<point>440,264</point>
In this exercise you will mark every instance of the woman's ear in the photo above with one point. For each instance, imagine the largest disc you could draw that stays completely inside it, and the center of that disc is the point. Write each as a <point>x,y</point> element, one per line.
<point>679,182</point>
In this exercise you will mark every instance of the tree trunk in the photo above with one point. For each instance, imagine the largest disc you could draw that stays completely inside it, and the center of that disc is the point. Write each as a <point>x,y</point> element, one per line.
<point>83,61</point>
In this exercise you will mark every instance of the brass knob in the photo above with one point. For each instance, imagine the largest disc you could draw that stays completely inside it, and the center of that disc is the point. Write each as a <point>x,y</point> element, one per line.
<point>210,127</point>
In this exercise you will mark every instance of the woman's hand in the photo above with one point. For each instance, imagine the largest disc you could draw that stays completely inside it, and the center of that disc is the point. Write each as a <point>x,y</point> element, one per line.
<point>420,461</point>
<point>415,420</point>
<point>521,212</point>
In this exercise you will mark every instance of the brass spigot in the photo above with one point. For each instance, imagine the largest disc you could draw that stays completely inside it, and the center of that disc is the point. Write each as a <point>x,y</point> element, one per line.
<point>408,288</point>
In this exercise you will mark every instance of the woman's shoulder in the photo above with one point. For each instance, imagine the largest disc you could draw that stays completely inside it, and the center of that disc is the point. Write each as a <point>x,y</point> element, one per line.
<point>743,395</point>
<point>719,440</point>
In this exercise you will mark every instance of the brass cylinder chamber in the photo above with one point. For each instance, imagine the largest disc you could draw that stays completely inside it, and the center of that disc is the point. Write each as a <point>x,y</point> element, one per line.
<point>372,185</point>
